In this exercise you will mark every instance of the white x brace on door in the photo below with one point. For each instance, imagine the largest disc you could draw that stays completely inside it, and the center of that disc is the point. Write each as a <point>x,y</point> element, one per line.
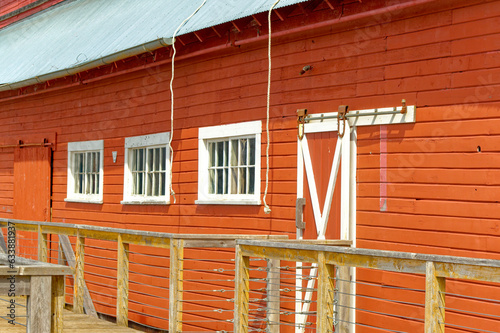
<point>345,151</point>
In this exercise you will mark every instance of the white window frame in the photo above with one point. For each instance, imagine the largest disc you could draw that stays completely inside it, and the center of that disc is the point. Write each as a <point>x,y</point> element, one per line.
<point>251,129</point>
<point>81,147</point>
<point>158,140</point>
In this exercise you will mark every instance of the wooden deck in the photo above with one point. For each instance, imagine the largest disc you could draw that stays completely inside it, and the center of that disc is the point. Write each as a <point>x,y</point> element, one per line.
<point>73,323</point>
<point>78,323</point>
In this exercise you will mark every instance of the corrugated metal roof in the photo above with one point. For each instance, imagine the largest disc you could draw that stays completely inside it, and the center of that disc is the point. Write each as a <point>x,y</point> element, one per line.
<point>77,32</point>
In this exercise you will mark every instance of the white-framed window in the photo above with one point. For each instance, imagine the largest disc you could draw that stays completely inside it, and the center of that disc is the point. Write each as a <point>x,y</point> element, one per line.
<point>147,169</point>
<point>85,171</point>
<point>229,164</point>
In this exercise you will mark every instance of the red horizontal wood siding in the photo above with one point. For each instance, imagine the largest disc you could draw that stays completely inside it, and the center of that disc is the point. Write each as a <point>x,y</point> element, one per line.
<point>442,175</point>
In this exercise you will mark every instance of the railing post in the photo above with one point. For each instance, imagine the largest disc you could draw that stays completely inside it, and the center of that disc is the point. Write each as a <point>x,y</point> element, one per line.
<point>241,290</point>
<point>343,298</point>
<point>435,288</point>
<point>326,276</point>
<point>176,285</point>
<point>79,281</point>
<point>273,295</point>
<point>57,303</point>
<point>122,283</point>
<point>42,245</point>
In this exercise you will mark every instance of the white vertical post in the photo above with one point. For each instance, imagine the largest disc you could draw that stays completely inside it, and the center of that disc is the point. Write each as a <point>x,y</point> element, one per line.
<point>298,271</point>
<point>352,224</point>
<point>345,185</point>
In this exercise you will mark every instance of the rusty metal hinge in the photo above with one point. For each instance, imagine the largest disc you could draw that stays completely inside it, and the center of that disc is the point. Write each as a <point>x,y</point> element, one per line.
<point>299,210</point>
<point>301,120</point>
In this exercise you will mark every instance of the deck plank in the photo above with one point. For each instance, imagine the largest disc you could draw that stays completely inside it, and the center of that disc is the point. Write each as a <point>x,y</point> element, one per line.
<point>73,323</point>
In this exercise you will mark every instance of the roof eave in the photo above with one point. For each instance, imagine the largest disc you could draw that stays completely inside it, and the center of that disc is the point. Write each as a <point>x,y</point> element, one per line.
<point>109,59</point>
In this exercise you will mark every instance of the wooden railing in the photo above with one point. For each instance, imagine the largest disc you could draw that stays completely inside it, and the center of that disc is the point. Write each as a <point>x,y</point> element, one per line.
<point>333,313</point>
<point>334,296</point>
<point>75,256</point>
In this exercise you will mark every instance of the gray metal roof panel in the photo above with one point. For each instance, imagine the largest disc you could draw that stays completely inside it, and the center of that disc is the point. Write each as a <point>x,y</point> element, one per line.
<point>75,32</point>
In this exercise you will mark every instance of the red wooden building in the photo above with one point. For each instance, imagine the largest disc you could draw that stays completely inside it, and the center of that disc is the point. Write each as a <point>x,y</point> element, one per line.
<point>85,98</point>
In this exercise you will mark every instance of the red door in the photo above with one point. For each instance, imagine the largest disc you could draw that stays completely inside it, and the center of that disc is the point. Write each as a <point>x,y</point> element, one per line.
<point>32,186</point>
<point>322,148</point>
<point>321,155</point>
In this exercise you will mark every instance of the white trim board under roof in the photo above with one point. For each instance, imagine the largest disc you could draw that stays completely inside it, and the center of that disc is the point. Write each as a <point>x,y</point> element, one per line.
<point>77,35</point>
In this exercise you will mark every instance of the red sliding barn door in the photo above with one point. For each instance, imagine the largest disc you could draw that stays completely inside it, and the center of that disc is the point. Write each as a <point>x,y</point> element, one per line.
<point>32,184</point>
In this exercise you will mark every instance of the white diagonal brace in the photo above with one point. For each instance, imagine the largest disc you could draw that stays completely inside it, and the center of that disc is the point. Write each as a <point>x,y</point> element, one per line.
<point>312,183</point>
<point>331,188</point>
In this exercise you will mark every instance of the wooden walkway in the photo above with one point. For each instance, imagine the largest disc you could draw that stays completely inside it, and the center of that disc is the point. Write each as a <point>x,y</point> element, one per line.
<point>73,323</point>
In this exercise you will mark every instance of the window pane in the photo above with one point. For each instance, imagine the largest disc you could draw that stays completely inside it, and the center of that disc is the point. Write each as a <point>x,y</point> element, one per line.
<point>79,184</point>
<point>157,159</point>
<point>98,161</point>
<point>234,152</point>
<point>156,182</point>
<point>226,153</point>
<point>134,160</point>
<point>93,182</point>
<point>243,152</point>
<point>135,183</point>
<point>88,183</point>
<point>77,172</point>
<point>139,182</point>
<point>97,184</point>
<point>211,153</point>
<point>79,162</point>
<point>140,159</point>
<point>93,163</point>
<point>220,181</point>
<point>88,166</point>
<point>149,183</point>
<point>243,181</point>
<point>220,153</point>
<point>234,181</point>
<point>163,158</point>
<point>211,181</point>
<point>251,150</point>
<point>251,180</point>
<point>150,159</point>
<point>226,180</point>
<point>162,183</point>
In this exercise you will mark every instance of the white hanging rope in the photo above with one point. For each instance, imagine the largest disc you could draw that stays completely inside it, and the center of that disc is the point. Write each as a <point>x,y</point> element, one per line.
<point>172,97</point>
<point>267,209</point>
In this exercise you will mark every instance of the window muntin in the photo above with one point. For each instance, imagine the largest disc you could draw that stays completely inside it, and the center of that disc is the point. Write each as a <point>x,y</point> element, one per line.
<point>229,164</point>
<point>146,169</point>
<point>231,168</point>
<point>85,171</point>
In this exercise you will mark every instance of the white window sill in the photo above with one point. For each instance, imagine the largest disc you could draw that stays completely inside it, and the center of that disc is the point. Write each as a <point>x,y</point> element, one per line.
<point>83,200</point>
<point>228,202</point>
<point>145,202</point>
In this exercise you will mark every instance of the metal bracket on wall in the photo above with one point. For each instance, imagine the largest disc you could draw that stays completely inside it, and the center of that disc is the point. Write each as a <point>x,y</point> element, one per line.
<point>299,210</point>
